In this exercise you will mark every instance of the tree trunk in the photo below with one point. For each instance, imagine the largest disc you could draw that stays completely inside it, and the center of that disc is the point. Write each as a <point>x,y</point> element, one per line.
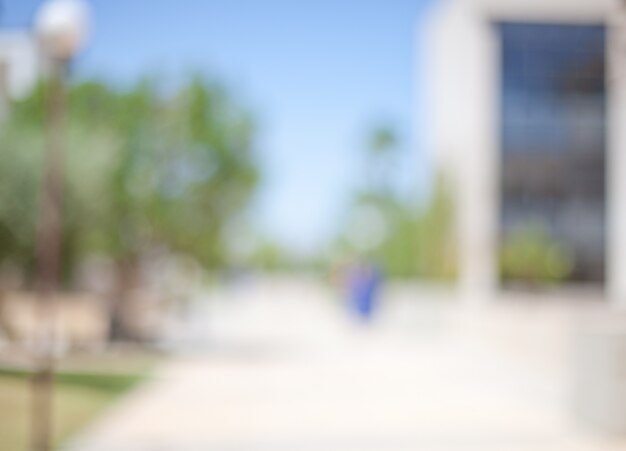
<point>6,328</point>
<point>121,324</point>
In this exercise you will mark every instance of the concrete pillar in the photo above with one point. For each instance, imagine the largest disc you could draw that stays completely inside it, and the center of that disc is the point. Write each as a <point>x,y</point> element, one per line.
<point>616,160</point>
<point>479,173</point>
<point>462,75</point>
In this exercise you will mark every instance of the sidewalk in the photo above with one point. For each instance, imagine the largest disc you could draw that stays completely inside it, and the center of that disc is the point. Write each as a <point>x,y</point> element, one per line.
<point>287,371</point>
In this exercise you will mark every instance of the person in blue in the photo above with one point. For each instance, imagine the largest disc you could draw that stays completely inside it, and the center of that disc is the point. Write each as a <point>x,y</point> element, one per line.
<point>364,286</point>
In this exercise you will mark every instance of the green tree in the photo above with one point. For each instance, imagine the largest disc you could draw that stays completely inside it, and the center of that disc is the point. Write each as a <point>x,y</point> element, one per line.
<point>401,236</point>
<point>381,150</point>
<point>142,170</point>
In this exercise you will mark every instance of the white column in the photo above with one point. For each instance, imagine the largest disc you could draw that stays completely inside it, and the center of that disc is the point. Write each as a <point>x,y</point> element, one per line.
<point>479,193</point>
<point>616,161</point>
<point>463,97</point>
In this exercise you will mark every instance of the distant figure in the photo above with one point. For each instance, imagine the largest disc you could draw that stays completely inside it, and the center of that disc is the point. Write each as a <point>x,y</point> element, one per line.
<point>365,281</point>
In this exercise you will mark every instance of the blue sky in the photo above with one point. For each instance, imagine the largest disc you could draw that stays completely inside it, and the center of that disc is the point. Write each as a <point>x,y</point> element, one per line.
<point>317,73</point>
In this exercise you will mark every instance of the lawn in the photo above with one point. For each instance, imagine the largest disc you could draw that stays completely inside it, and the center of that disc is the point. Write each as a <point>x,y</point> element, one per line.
<point>80,395</point>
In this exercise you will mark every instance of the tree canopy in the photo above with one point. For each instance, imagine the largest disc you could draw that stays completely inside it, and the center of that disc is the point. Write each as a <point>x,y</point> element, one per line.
<point>142,169</point>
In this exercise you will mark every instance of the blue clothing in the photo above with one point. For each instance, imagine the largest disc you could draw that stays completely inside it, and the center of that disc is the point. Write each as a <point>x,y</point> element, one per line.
<point>365,284</point>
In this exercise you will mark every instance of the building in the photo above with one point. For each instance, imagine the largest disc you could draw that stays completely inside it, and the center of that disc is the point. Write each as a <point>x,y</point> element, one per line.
<point>526,113</point>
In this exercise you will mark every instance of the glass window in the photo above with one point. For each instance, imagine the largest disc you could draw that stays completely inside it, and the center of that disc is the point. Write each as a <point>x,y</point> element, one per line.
<point>553,137</point>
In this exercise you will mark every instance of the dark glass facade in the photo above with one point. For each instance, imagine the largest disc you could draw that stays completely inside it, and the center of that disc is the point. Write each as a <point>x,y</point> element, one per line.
<point>553,132</point>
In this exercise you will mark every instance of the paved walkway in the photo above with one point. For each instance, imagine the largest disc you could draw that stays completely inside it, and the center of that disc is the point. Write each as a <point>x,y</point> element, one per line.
<point>279,367</point>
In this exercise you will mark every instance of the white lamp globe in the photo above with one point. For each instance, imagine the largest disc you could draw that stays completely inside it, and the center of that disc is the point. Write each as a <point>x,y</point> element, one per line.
<point>62,27</point>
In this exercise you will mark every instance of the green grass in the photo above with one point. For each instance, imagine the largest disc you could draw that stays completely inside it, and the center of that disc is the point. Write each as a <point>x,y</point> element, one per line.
<point>78,398</point>
<point>114,382</point>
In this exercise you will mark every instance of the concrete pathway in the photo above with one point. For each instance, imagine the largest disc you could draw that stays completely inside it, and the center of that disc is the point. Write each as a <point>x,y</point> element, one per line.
<point>280,367</point>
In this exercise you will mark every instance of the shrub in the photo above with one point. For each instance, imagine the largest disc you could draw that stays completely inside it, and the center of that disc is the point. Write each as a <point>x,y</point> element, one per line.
<point>532,256</point>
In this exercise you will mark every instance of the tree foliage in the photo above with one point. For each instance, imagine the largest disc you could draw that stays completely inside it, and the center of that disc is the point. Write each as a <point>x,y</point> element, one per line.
<point>531,256</point>
<point>142,169</point>
<point>405,239</point>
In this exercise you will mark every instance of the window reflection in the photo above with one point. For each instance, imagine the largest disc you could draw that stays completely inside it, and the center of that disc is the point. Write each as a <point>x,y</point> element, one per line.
<point>553,137</point>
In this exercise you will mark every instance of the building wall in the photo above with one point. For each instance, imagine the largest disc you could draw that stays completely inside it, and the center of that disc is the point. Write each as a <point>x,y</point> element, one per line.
<point>462,97</point>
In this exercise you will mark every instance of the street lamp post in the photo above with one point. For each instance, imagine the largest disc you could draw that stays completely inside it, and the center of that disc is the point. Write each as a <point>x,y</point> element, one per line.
<point>61,27</point>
